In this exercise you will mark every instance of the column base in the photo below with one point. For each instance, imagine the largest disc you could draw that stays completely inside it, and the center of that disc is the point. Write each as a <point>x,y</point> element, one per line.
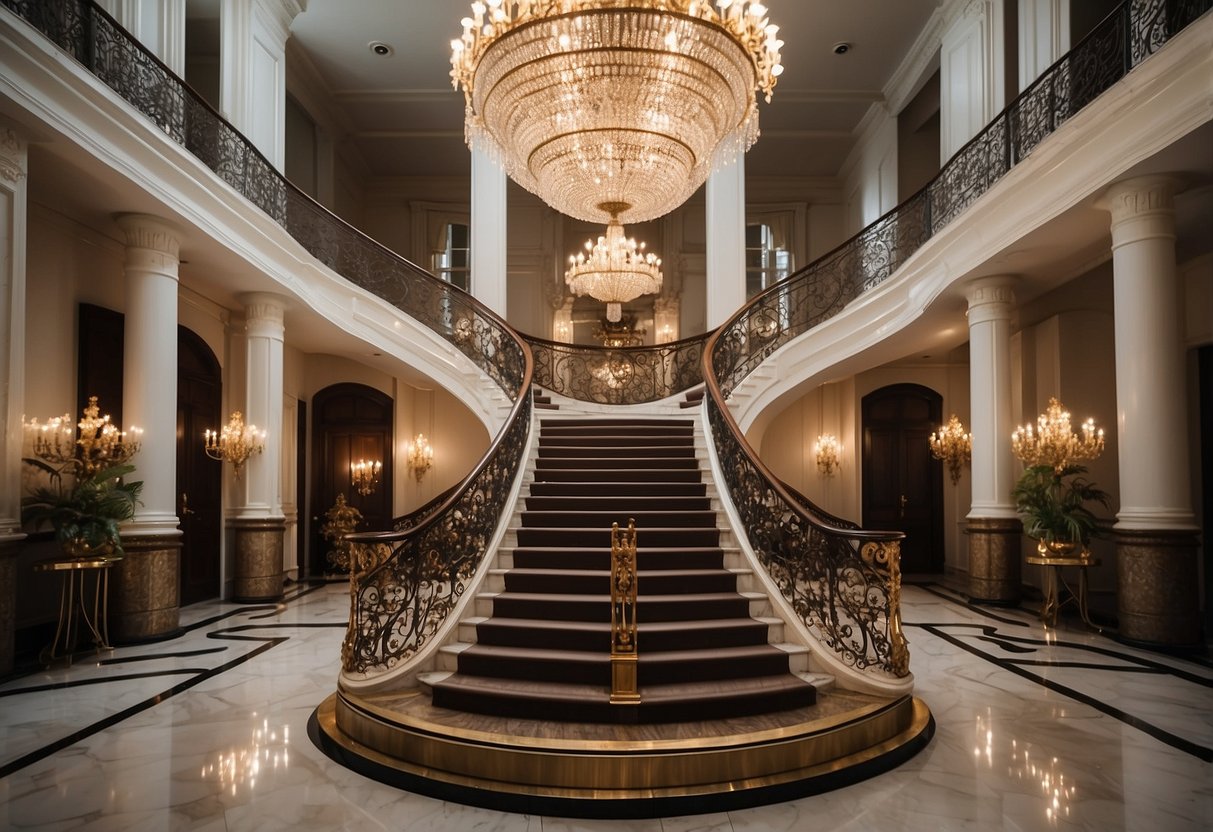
<point>994,560</point>
<point>1157,588</point>
<point>145,590</point>
<point>9,549</point>
<point>259,545</point>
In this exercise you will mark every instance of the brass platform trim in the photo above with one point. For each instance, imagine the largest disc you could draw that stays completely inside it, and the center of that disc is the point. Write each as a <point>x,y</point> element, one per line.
<point>607,782</point>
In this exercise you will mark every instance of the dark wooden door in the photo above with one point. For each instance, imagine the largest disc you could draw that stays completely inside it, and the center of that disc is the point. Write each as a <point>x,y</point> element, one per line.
<point>351,422</point>
<point>902,483</point>
<point>199,478</point>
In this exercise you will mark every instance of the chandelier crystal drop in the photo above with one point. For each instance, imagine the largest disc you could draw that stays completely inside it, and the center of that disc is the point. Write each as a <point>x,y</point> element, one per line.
<point>587,102</point>
<point>616,270</point>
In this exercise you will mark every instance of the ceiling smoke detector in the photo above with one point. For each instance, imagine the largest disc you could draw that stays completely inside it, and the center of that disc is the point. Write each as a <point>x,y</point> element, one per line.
<point>380,48</point>
<point>842,48</point>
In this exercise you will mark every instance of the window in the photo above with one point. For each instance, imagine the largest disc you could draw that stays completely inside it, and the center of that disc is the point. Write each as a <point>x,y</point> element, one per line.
<point>767,258</point>
<point>451,263</point>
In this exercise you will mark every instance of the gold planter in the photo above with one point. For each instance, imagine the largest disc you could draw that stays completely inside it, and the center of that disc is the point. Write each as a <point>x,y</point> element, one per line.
<point>1062,549</point>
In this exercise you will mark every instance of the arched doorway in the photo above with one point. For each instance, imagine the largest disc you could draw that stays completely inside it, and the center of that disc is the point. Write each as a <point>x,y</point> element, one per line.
<point>902,483</point>
<point>351,422</point>
<point>199,479</point>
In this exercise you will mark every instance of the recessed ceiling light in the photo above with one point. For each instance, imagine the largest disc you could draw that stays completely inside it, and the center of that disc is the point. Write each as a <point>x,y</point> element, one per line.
<point>383,50</point>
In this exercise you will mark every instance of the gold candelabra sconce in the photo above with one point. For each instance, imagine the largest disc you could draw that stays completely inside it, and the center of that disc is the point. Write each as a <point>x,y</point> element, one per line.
<point>1053,442</point>
<point>420,456</point>
<point>235,442</point>
<point>364,475</point>
<point>952,445</point>
<point>828,451</point>
<point>91,445</point>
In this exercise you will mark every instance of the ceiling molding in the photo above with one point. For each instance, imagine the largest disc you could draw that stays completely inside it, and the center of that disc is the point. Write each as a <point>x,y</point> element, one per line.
<point>919,63</point>
<point>397,96</point>
<point>407,134</point>
<point>826,96</point>
<point>778,133</point>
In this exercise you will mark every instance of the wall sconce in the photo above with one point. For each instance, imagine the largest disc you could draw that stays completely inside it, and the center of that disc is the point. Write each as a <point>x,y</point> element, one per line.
<point>235,443</point>
<point>1053,442</point>
<point>665,334</point>
<point>364,475</point>
<point>98,445</point>
<point>562,331</point>
<point>420,456</point>
<point>829,454</point>
<point>951,444</point>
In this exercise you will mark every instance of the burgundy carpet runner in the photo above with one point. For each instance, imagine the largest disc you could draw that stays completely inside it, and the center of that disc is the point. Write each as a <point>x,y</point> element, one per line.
<point>545,651</point>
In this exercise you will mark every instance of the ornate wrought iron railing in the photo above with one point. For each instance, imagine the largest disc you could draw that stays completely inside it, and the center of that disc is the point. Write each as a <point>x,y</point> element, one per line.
<point>627,375</point>
<point>396,597</point>
<point>842,581</point>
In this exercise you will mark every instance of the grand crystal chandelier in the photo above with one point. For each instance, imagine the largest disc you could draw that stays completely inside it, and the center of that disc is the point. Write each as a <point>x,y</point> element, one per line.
<point>616,270</point>
<point>589,103</point>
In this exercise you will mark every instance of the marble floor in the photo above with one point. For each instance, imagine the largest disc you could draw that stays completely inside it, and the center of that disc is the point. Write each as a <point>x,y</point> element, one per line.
<point>1059,729</point>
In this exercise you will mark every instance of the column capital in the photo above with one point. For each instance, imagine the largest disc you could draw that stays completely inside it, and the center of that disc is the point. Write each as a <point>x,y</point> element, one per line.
<point>13,156</point>
<point>150,232</point>
<point>993,289</point>
<point>263,307</point>
<point>1140,197</point>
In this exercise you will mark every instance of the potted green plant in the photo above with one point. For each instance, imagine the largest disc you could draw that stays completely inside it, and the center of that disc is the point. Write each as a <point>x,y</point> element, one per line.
<point>1053,503</point>
<point>84,517</point>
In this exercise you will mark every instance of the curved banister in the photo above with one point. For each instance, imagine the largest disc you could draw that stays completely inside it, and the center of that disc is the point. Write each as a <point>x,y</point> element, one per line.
<point>801,545</point>
<point>453,537</point>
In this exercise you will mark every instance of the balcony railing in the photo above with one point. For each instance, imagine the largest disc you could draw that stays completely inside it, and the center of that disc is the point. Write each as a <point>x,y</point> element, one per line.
<point>399,598</point>
<point>843,581</point>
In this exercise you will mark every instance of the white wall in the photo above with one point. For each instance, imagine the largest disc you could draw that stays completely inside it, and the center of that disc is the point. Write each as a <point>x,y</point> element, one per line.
<point>869,174</point>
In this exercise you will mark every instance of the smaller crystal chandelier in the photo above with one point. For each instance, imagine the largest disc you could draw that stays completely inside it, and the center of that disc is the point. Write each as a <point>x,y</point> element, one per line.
<point>829,454</point>
<point>1053,443</point>
<point>951,444</point>
<point>420,456</point>
<point>98,445</point>
<point>364,475</point>
<point>235,443</point>
<point>617,268</point>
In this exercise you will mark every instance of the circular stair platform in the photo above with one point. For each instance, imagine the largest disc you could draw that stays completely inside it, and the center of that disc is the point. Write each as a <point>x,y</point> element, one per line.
<point>619,771</point>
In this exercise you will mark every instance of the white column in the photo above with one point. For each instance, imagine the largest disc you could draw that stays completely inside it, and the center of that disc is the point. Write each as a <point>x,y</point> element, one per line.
<point>725,241</point>
<point>991,303</point>
<point>1155,492</point>
<point>13,229</point>
<point>149,386</point>
<point>252,92</point>
<point>264,315</point>
<point>488,230</point>
<point>972,72</point>
<point>1044,36</point>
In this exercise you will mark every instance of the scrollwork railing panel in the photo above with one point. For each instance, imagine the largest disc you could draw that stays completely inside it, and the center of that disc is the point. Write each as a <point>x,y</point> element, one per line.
<point>849,602</point>
<point>629,375</point>
<point>398,605</point>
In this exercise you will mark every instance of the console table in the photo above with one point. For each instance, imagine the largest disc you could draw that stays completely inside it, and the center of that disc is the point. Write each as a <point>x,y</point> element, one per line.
<point>74,606</point>
<point>1054,577</point>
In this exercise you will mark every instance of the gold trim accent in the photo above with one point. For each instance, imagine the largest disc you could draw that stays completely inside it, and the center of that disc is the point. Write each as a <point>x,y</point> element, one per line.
<point>560,770</point>
<point>886,556</point>
<point>624,649</point>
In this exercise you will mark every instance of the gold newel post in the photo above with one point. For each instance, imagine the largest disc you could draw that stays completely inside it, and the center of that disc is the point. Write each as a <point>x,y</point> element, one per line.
<point>624,656</point>
<point>340,520</point>
<point>886,556</point>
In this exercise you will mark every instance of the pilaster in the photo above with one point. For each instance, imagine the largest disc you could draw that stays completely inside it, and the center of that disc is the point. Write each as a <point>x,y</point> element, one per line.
<point>725,213</point>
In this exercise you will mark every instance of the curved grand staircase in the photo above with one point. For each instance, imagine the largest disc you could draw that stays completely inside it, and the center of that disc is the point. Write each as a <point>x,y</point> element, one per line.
<point>515,712</point>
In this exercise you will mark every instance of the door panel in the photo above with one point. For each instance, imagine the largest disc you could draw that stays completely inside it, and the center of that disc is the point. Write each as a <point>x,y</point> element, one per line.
<point>352,422</point>
<point>902,483</point>
<point>199,478</point>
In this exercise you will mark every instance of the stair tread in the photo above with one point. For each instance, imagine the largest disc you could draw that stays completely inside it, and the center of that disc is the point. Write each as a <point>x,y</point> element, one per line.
<point>605,626</point>
<point>664,691</point>
<point>535,654</point>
